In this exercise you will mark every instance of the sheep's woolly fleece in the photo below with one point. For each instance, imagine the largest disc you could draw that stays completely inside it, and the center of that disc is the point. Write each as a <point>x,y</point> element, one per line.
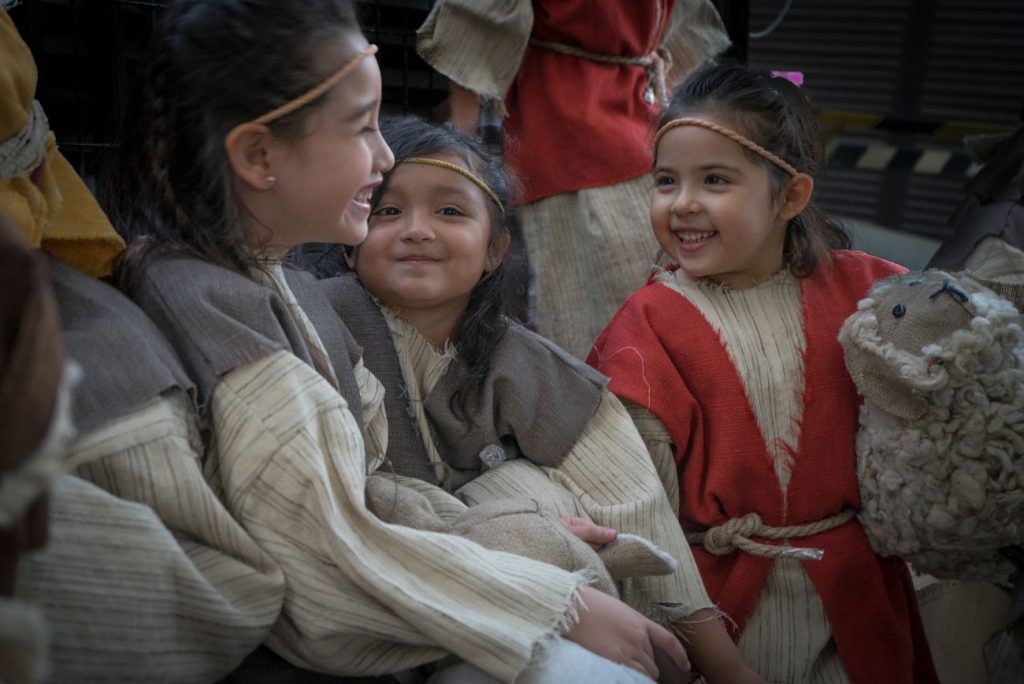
<point>939,360</point>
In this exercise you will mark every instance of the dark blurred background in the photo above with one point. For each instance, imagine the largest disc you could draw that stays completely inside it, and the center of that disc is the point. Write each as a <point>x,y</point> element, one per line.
<point>900,83</point>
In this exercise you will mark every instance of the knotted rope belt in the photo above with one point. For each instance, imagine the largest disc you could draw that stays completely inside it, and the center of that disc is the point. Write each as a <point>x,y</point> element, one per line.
<point>737,533</point>
<point>657,64</point>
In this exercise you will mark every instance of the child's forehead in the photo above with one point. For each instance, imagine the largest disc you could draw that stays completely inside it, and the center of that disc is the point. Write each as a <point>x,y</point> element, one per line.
<point>697,146</point>
<point>433,178</point>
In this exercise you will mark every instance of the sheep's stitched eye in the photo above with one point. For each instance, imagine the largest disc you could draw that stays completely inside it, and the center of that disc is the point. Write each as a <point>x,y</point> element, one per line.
<point>899,311</point>
<point>912,283</point>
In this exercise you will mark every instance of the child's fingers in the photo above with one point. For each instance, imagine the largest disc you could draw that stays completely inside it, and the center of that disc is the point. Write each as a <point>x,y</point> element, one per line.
<point>668,671</point>
<point>593,534</point>
<point>671,651</point>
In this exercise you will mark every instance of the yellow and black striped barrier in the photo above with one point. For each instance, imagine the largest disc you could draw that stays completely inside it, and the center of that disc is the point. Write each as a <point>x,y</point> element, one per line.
<point>878,156</point>
<point>881,157</point>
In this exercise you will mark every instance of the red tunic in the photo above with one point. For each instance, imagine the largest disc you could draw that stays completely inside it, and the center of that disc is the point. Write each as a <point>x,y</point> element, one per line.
<point>574,123</point>
<point>661,353</point>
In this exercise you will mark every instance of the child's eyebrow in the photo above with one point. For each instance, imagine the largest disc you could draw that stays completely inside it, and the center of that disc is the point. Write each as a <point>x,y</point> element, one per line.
<point>718,166</point>
<point>452,190</point>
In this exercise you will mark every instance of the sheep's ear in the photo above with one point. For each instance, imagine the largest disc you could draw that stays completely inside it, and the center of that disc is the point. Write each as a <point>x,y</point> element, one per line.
<point>880,384</point>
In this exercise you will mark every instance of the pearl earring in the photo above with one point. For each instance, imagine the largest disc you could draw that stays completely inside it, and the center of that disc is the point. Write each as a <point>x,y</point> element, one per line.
<point>270,180</point>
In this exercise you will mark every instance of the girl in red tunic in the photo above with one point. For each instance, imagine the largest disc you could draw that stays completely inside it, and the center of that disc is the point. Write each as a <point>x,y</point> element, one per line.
<point>731,366</point>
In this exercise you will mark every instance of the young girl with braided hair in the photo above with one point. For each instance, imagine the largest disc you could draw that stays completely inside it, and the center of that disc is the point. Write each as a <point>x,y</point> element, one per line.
<point>257,131</point>
<point>730,364</point>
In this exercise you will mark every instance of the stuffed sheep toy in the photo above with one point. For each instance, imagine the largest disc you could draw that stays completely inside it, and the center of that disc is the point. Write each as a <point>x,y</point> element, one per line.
<point>939,360</point>
<point>517,525</point>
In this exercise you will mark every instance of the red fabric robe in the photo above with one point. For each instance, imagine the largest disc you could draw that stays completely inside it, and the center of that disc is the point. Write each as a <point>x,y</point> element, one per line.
<point>661,353</point>
<point>574,123</point>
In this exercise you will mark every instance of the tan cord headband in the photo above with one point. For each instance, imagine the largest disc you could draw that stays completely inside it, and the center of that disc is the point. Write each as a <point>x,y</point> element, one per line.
<point>457,169</point>
<point>315,92</point>
<point>732,135</point>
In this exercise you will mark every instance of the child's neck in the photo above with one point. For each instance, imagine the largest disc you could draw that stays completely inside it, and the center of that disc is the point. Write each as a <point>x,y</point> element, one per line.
<point>437,325</point>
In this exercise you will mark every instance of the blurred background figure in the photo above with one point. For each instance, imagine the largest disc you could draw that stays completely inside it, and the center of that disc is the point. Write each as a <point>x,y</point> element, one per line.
<point>577,84</point>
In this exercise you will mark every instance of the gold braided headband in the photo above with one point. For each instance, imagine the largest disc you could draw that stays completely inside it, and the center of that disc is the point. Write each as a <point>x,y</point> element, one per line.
<point>732,135</point>
<point>457,169</point>
<point>317,91</point>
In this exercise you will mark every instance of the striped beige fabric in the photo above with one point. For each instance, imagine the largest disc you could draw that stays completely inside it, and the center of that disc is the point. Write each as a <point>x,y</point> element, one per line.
<point>375,428</point>
<point>996,259</point>
<point>590,250</point>
<point>422,367</point>
<point>659,445</point>
<point>520,478</point>
<point>446,506</point>
<point>787,638</point>
<point>695,32</point>
<point>607,477</point>
<point>477,43</point>
<point>371,391</point>
<point>364,597</point>
<point>767,351</point>
<point>610,472</point>
<point>146,576</point>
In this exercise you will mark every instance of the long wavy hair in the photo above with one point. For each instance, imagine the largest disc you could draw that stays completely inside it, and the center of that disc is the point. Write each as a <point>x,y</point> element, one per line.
<point>212,65</point>
<point>776,114</point>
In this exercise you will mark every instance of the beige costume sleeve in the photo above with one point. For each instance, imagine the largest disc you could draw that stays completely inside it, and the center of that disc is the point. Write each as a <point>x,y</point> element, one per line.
<point>364,597</point>
<point>477,43</point>
<point>996,259</point>
<point>146,576</point>
<point>695,33</point>
<point>659,446</point>
<point>610,472</point>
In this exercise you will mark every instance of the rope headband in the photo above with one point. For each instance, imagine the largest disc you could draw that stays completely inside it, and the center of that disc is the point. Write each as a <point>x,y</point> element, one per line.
<point>457,169</point>
<point>315,92</point>
<point>732,135</point>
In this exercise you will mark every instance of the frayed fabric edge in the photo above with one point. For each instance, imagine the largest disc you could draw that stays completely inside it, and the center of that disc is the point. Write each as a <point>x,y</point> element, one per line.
<point>568,619</point>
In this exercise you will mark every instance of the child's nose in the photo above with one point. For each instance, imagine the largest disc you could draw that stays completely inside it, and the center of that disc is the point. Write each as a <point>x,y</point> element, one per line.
<point>418,228</point>
<point>686,202</point>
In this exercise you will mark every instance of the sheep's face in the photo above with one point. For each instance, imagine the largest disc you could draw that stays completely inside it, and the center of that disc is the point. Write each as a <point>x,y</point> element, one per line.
<point>920,310</point>
<point>893,342</point>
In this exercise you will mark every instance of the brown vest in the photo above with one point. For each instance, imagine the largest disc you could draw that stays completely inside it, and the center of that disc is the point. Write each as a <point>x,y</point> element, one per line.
<point>219,320</point>
<point>535,401</point>
<point>124,358</point>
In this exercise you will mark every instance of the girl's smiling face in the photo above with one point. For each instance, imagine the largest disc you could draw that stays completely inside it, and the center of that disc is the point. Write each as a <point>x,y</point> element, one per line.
<point>715,210</point>
<point>429,243</point>
<point>324,178</point>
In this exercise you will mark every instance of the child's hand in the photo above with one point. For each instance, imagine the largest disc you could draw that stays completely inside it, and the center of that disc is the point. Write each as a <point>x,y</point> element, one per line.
<point>613,630</point>
<point>592,533</point>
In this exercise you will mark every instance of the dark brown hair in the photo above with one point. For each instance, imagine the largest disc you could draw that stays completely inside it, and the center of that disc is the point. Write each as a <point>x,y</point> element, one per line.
<point>486,317</point>
<point>775,114</point>
<point>213,64</point>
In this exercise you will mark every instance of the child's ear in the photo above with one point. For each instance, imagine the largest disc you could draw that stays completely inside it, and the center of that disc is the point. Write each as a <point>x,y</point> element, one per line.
<point>797,195</point>
<point>496,251</point>
<point>247,146</point>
